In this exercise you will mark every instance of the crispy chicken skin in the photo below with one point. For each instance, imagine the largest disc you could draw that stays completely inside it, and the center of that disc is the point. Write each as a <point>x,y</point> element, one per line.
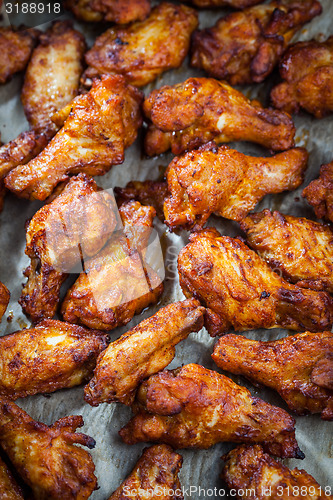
<point>299,367</point>
<point>244,47</point>
<point>151,193</point>
<point>319,193</point>
<point>117,283</point>
<point>53,355</point>
<point>46,457</point>
<point>53,75</point>
<point>302,250</point>
<point>236,4</point>
<point>242,292</point>
<point>226,182</point>
<point>189,114</point>
<point>4,299</point>
<point>144,350</point>
<point>78,217</point>
<point>196,407</point>
<point>119,12</point>
<point>15,50</point>
<point>154,476</point>
<point>307,71</point>
<point>9,489</point>
<point>144,50</point>
<point>256,475</point>
<point>98,126</point>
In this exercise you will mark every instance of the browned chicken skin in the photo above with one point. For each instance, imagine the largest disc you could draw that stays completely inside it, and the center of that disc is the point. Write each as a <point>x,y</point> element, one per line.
<point>15,50</point>
<point>76,224</point>
<point>53,355</point>
<point>254,474</point>
<point>154,476</point>
<point>116,11</point>
<point>4,299</point>
<point>98,126</point>
<point>117,283</point>
<point>142,351</point>
<point>143,50</point>
<point>298,248</point>
<point>9,489</point>
<point>241,291</point>
<point>194,112</point>
<point>196,407</point>
<point>307,71</point>
<point>319,193</point>
<point>151,193</point>
<point>244,47</point>
<point>46,457</point>
<point>236,4</point>
<point>299,367</point>
<point>226,182</point>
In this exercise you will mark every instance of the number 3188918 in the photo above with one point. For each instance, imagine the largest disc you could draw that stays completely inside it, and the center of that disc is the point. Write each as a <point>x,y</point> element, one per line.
<point>33,8</point>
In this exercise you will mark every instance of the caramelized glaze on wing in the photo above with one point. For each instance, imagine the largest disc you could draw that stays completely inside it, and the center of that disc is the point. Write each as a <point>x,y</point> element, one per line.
<point>242,292</point>
<point>4,299</point>
<point>196,407</point>
<point>15,50</point>
<point>9,489</point>
<point>151,193</point>
<point>120,12</point>
<point>319,193</point>
<point>189,114</point>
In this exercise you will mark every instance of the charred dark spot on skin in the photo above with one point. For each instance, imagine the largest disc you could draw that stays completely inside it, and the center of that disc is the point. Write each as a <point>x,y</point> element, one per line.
<point>264,295</point>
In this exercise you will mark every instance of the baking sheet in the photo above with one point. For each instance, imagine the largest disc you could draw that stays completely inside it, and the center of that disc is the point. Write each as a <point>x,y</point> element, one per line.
<point>113,459</point>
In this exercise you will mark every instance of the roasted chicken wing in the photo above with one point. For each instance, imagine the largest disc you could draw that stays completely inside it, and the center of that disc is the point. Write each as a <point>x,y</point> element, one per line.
<point>302,250</point>
<point>75,225</point>
<point>244,47</point>
<point>226,182</point>
<point>15,50</point>
<point>299,367</point>
<point>196,407</point>
<point>144,350</point>
<point>53,355</point>
<point>120,12</point>
<point>53,75</point>
<point>46,457</point>
<point>4,299</point>
<point>307,71</point>
<point>98,126</point>
<point>319,193</point>
<point>251,473</point>
<point>117,283</point>
<point>189,114</point>
<point>154,476</point>
<point>236,4</point>
<point>242,292</point>
<point>143,50</point>
<point>151,193</point>
<point>9,489</point>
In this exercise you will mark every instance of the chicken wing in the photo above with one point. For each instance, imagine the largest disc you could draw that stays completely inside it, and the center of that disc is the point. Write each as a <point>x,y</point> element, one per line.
<point>15,50</point>
<point>307,71</point>
<point>236,4</point>
<point>75,225</point>
<point>196,407</point>
<point>117,283</point>
<point>143,50</point>
<point>251,473</point>
<point>319,193</point>
<point>192,113</point>
<point>226,182</point>
<point>53,355</point>
<point>151,193</point>
<point>46,456</point>
<point>120,12</point>
<point>4,299</point>
<point>53,75</point>
<point>98,127</point>
<point>144,350</point>
<point>299,367</point>
<point>242,292</point>
<point>9,489</point>
<point>244,47</point>
<point>302,250</point>
<point>154,476</point>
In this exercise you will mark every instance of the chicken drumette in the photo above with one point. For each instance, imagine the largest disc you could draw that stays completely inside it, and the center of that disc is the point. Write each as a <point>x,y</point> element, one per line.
<point>226,182</point>
<point>302,250</point>
<point>307,71</point>
<point>196,407</point>
<point>319,193</point>
<point>299,367</point>
<point>192,113</point>
<point>15,50</point>
<point>4,299</point>
<point>120,12</point>
<point>9,489</point>
<point>244,47</point>
<point>242,292</point>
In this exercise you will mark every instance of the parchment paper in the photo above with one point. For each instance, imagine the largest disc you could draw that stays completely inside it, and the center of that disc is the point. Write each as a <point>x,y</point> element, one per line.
<point>114,460</point>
